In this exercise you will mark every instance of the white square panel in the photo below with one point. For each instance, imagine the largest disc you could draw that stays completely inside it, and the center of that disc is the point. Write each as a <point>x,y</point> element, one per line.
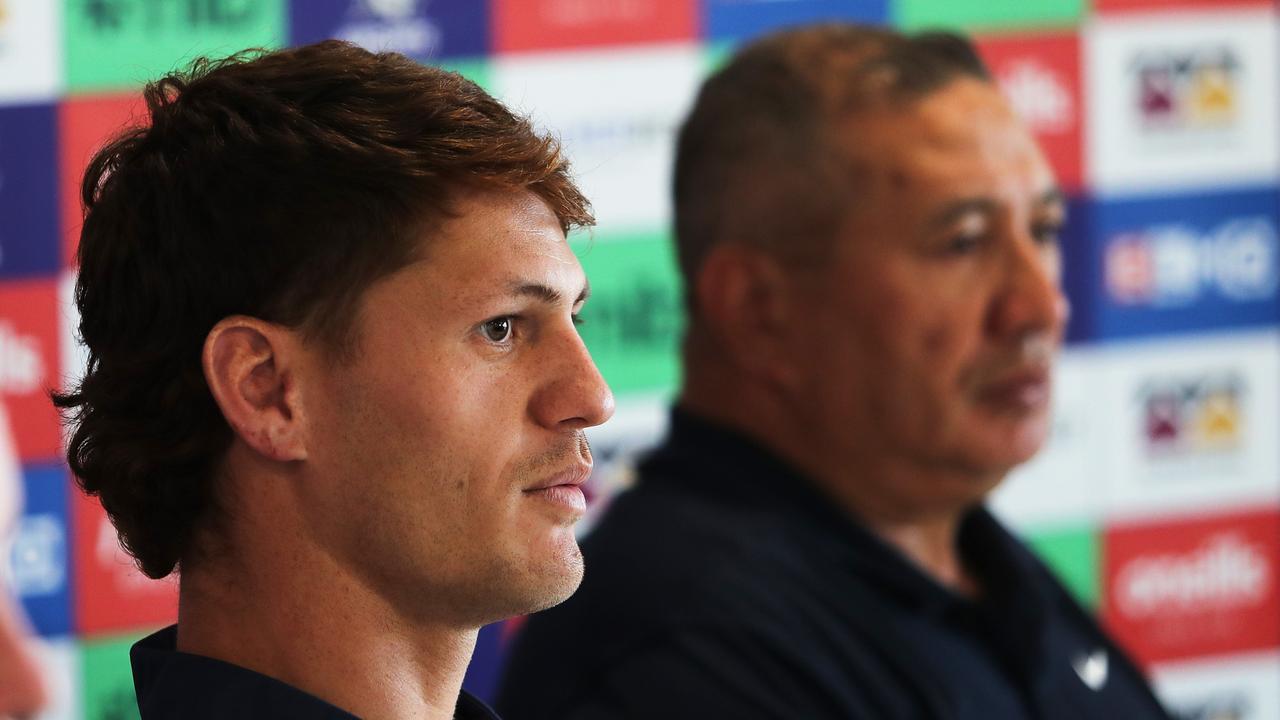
<point>617,113</point>
<point>1192,423</point>
<point>30,50</point>
<point>1182,100</point>
<point>1236,687</point>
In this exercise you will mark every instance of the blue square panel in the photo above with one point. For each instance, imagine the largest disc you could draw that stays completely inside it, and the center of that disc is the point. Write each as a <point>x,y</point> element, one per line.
<point>738,20</point>
<point>425,30</point>
<point>1185,263</point>
<point>40,558</point>
<point>29,242</point>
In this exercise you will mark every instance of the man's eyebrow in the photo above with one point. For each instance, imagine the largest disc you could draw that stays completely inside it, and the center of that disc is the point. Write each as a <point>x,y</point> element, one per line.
<point>953,211</point>
<point>1053,197</point>
<point>546,293</point>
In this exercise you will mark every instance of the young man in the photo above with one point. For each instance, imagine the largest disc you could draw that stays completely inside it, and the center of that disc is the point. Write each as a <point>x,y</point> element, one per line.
<point>868,238</point>
<point>334,378</point>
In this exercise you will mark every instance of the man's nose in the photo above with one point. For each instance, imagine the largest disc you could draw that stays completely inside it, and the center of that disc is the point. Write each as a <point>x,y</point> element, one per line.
<point>1030,299</point>
<point>575,395</point>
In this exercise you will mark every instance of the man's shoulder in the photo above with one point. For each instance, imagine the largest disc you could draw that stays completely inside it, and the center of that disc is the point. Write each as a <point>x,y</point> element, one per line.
<point>672,577</point>
<point>659,543</point>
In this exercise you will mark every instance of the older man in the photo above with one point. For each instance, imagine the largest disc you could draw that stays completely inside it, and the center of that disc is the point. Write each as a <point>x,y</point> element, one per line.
<point>868,238</point>
<point>334,377</point>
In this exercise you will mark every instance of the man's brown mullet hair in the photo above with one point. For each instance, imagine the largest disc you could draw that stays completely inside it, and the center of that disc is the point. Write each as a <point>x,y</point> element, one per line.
<point>278,185</point>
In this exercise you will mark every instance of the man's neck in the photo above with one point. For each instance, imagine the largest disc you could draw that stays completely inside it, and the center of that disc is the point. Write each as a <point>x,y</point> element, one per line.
<point>928,537</point>
<point>296,615</point>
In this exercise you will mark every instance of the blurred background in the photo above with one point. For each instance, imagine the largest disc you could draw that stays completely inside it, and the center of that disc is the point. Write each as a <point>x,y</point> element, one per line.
<point>1158,499</point>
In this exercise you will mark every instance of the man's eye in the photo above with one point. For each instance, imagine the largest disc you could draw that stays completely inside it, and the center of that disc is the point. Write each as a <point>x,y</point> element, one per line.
<point>963,244</point>
<point>497,330</point>
<point>1047,233</point>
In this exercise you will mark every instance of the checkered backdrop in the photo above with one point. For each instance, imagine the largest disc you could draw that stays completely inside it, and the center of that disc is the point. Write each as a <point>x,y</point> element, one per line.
<point>1158,498</point>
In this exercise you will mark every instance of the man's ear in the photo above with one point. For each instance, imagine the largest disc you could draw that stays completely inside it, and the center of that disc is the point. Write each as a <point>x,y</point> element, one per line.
<point>249,365</point>
<point>744,301</point>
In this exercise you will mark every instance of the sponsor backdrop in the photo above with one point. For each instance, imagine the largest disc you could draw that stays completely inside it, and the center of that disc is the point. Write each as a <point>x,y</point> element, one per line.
<point>1158,498</point>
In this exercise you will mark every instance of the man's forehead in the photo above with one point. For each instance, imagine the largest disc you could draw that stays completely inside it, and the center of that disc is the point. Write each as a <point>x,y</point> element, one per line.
<point>961,134</point>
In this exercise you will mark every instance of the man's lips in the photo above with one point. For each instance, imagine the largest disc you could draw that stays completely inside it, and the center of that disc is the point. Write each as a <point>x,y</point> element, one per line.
<point>573,476</point>
<point>1025,389</point>
<point>564,490</point>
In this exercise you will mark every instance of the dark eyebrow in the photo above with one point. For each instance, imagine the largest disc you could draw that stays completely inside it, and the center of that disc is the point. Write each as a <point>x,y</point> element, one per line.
<point>955,210</point>
<point>546,293</point>
<point>958,209</point>
<point>1052,196</point>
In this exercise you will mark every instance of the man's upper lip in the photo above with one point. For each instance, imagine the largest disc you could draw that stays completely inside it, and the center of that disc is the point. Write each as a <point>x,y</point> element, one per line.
<point>575,475</point>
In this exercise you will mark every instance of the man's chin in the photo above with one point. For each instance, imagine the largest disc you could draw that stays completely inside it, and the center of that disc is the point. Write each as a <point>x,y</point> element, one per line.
<point>1012,449</point>
<point>554,583</point>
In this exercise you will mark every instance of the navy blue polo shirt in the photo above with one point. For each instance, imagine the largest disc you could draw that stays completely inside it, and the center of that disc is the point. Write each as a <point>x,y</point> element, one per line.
<point>172,684</point>
<point>725,585</point>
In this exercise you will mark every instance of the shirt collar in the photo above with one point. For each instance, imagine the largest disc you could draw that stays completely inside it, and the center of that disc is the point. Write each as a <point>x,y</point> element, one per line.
<point>706,457</point>
<point>170,683</point>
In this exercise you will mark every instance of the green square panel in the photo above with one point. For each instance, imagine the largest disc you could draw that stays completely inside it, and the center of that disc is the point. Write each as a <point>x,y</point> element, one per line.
<point>985,14</point>
<point>474,69</point>
<point>633,322</point>
<point>107,681</point>
<point>1072,555</point>
<point>114,44</point>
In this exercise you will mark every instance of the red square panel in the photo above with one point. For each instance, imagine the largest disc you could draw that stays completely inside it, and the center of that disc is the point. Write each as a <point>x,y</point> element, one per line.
<point>85,124</point>
<point>548,24</point>
<point>1125,5</point>
<point>29,365</point>
<point>1184,588</point>
<point>1040,74</point>
<point>111,594</point>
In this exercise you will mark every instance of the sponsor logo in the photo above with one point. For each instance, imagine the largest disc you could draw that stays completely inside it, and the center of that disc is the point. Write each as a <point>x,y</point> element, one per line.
<point>1187,89</point>
<point>632,324</point>
<point>5,26</point>
<point>1176,265</point>
<point>542,24</point>
<point>1039,95</point>
<point>1192,416</point>
<point>113,15</point>
<point>1182,101</point>
<point>1040,75</point>
<point>28,351</point>
<point>394,25</point>
<point>1225,572</point>
<point>120,43</point>
<point>1202,585</point>
<point>645,314</point>
<point>38,564</point>
<point>38,559</point>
